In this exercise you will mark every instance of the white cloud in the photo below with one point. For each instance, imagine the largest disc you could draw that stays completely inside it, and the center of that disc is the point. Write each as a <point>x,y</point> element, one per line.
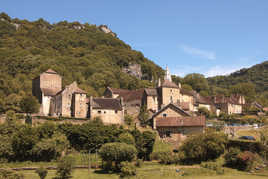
<point>198,52</point>
<point>223,70</point>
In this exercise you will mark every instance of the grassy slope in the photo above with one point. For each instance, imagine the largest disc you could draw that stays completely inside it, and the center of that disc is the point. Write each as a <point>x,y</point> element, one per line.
<point>157,171</point>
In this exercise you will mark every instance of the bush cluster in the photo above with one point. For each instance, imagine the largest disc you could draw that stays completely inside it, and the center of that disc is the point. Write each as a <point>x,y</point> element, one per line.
<point>241,160</point>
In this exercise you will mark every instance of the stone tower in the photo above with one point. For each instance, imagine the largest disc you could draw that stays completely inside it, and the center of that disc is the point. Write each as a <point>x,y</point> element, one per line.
<point>44,87</point>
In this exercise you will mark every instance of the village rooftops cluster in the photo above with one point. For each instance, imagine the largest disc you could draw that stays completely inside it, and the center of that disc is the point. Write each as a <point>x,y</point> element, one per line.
<point>172,110</point>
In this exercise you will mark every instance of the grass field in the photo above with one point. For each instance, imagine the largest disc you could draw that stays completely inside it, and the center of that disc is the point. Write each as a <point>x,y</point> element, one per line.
<point>153,170</point>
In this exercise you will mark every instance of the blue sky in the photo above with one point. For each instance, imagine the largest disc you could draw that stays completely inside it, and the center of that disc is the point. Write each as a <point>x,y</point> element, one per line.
<point>210,36</point>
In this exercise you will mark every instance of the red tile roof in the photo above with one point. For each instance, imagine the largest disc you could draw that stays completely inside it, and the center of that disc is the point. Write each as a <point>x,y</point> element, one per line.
<point>186,92</point>
<point>180,121</point>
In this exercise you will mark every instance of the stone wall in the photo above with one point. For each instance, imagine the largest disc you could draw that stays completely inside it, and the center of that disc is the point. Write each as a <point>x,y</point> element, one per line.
<point>50,81</point>
<point>170,95</point>
<point>80,106</point>
<point>169,113</point>
<point>108,116</point>
<point>152,103</point>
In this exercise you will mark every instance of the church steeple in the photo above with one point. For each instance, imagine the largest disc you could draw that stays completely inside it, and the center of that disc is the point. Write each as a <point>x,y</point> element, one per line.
<point>168,75</point>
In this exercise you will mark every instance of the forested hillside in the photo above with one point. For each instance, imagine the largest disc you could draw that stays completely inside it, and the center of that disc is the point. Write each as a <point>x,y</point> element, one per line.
<point>256,75</point>
<point>78,52</point>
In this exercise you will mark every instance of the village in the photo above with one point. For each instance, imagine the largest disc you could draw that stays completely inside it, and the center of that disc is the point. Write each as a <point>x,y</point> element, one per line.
<point>173,112</point>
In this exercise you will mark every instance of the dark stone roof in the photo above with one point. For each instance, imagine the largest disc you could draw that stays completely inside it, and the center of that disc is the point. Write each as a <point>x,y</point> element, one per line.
<point>180,121</point>
<point>186,92</point>
<point>151,91</point>
<point>128,95</point>
<point>169,84</point>
<point>106,103</point>
<point>49,92</point>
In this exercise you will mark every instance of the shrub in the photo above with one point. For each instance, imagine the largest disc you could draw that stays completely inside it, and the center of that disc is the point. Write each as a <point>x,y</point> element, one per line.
<point>231,157</point>
<point>245,160</point>
<point>127,169</point>
<point>115,153</point>
<point>42,172</point>
<point>144,143</point>
<point>203,147</point>
<point>166,158</point>
<point>9,174</point>
<point>50,148</point>
<point>126,138</point>
<point>64,168</point>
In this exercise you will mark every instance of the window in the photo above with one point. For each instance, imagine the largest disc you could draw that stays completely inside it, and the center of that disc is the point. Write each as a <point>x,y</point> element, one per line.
<point>164,115</point>
<point>168,133</point>
<point>99,112</point>
<point>104,112</point>
<point>115,111</point>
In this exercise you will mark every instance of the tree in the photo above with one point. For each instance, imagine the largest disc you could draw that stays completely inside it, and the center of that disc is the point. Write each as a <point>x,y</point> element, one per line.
<point>29,104</point>
<point>65,168</point>
<point>203,147</point>
<point>143,116</point>
<point>204,111</point>
<point>128,120</point>
<point>42,172</point>
<point>144,143</point>
<point>246,89</point>
<point>197,81</point>
<point>126,138</point>
<point>115,153</point>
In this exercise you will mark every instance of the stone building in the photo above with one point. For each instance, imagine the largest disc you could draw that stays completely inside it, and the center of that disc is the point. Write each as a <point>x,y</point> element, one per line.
<point>45,87</point>
<point>55,101</point>
<point>229,105</point>
<point>70,102</point>
<point>132,98</point>
<point>110,110</point>
<point>174,123</point>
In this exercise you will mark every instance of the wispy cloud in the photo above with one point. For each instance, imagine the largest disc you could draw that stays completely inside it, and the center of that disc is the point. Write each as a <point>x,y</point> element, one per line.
<point>223,70</point>
<point>198,52</point>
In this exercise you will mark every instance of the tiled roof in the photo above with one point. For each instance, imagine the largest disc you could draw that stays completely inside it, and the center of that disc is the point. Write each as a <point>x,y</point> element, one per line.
<point>51,71</point>
<point>186,92</point>
<point>128,95</point>
<point>174,107</point>
<point>49,92</point>
<point>106,103</point>
<point>180,121</point>
<point>79,91</point>
<point>169,84</point>
<point>220,99</point>
<point>151,91</point>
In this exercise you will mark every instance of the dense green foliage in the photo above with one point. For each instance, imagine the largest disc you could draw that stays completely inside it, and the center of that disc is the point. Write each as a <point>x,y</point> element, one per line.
<point>115,153</point>
<point>10,174</point>
<point>65,168</point>
<point>203,147</point>
<point>256,75</point>
<point>78,52</point>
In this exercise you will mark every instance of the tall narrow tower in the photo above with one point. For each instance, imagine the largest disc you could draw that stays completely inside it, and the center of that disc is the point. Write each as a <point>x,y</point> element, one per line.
<point>168,75</point>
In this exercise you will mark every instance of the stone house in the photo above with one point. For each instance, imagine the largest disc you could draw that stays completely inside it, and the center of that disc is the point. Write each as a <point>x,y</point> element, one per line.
<point>110,110</point>
<point>70,102</point>
<point>174,123</point>
<point>55,101</point>
<point>132,98</point>
<point>229,105</point>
